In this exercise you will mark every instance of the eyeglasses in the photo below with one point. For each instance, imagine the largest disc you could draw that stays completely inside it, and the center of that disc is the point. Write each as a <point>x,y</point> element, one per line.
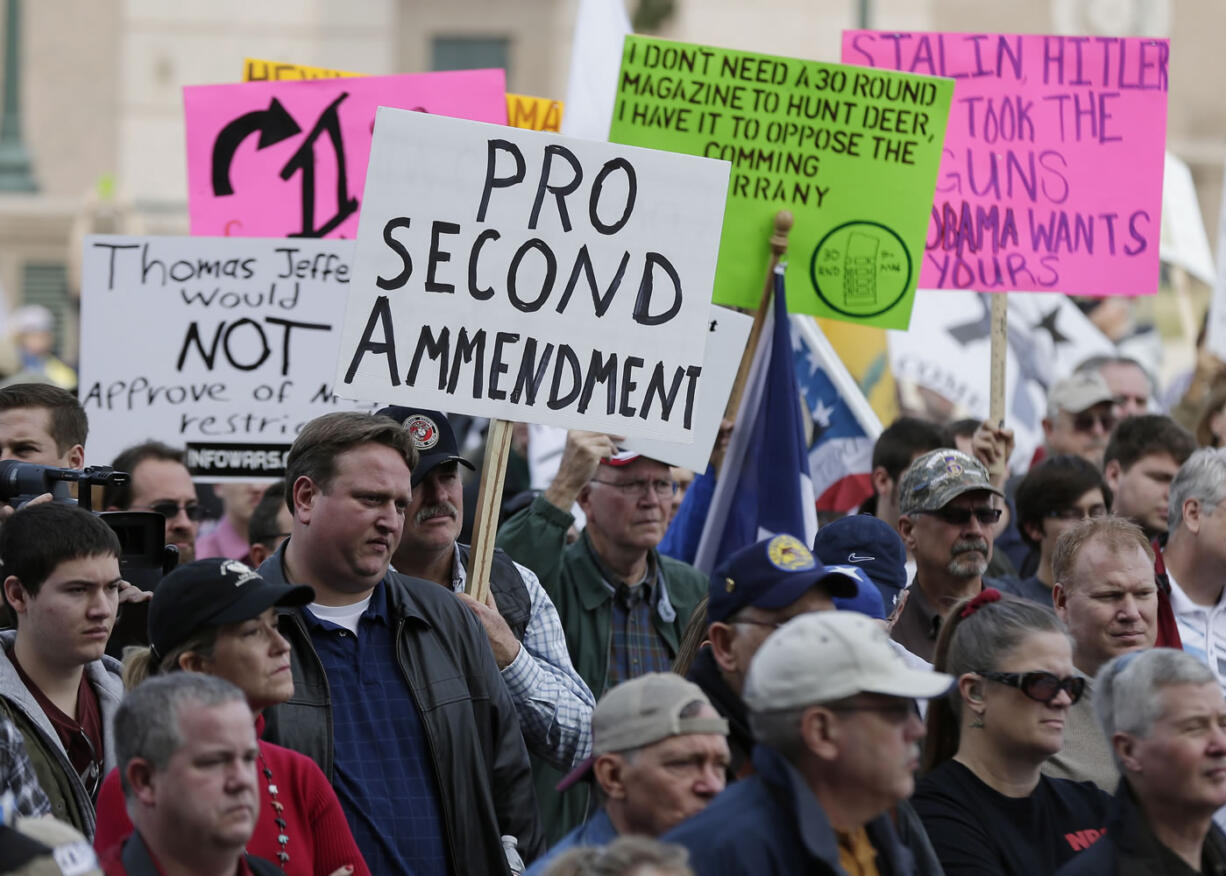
<point>170,510</point>
<point>1042,687</point>
<point>1077,513</point>
<point>638,489</point>
<point>1084,422</point>
<point>896,712</point>
<point>756,623</point>
<point>961,516</point>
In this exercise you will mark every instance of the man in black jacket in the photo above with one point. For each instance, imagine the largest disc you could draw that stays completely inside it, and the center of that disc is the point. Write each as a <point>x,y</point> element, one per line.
<point>396,693</point>
<point>1164,716</point>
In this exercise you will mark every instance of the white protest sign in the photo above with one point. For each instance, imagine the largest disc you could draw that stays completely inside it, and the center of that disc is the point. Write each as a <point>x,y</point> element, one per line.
<point>223,345</point>
<point>1183,241</point>
<point>726,336</point>
<point>515,274</point>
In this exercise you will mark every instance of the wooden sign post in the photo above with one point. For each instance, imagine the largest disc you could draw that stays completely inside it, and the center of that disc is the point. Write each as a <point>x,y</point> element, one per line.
<point>489,500</point>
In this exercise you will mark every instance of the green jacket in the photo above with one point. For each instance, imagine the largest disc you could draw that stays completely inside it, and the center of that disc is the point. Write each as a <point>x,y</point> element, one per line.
<point>536,538</point>
<point>70,801</point>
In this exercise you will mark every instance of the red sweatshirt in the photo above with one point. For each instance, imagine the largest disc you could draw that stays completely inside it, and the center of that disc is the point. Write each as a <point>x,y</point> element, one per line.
<point>319,837</point>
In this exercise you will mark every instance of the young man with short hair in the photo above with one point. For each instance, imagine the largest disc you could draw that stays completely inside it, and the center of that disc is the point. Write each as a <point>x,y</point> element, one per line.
<point>61,567</point>
<point>1140,462</point>
<point>1052,498</point>
<point>43,424</point>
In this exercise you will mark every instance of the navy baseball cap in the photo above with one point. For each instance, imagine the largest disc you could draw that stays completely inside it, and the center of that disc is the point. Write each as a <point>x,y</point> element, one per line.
<point>432,436</point>
<point>869,544</point>
<point>772,573</point>
<point>868,600</point>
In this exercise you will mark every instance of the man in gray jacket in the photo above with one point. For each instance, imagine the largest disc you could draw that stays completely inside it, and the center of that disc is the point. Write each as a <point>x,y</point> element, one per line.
<point>61,567</point>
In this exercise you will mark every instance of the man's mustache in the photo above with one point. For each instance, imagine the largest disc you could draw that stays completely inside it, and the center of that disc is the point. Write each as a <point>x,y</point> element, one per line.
<point>438,509</point>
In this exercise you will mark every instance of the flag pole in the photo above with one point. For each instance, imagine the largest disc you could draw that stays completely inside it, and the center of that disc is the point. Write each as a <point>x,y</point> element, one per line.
<point>778,245</point>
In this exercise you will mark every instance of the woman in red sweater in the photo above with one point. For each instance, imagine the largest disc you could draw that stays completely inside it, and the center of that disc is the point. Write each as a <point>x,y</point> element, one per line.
<point>219,617</point>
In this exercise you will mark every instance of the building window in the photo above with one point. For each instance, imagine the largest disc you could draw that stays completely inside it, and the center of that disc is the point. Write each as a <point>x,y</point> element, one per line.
<point>471,53</point>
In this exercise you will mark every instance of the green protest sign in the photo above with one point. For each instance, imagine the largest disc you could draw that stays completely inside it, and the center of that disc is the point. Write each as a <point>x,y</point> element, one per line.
<point>853,152</point>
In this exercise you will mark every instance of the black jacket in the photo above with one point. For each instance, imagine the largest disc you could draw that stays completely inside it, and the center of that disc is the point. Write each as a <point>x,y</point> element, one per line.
<point>470,723</point>
<point>1131,849</point>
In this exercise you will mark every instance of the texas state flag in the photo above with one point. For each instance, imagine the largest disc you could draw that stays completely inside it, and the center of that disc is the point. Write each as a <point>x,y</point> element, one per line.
<point>844,427</point>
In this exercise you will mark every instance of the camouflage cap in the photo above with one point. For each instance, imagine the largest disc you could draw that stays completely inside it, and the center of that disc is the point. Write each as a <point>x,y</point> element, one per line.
<point>938,477</point>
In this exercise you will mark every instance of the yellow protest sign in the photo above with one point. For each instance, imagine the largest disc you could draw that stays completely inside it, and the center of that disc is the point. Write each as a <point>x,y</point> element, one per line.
<point>523,111</point>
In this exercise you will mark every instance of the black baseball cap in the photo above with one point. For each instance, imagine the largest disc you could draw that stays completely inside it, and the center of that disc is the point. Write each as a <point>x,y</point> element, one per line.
<point>432,436</point>
<point>209,593</point>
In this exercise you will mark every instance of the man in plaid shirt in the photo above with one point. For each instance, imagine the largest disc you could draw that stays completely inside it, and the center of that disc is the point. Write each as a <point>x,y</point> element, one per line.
<point>553,702</point>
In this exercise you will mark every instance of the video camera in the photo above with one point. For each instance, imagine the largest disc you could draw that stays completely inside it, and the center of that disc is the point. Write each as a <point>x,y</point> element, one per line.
<point>22,481</point>
<point>144,555</point>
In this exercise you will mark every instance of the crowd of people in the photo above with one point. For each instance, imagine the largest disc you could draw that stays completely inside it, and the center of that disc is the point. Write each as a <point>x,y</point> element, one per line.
<point>978,673</point>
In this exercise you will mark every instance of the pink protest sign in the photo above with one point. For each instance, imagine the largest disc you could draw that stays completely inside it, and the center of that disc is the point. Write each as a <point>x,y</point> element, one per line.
<point>288,159</point>
<point>1052,171</point>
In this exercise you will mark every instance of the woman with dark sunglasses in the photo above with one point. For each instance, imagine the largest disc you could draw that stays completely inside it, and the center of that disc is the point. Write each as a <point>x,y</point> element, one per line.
<point>983,801</point>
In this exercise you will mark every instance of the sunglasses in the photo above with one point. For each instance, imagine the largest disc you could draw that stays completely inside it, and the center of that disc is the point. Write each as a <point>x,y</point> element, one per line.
<point>1084,422</point>
<point>169,509</point>
<point>1042,687</point>
<point>962,516</point>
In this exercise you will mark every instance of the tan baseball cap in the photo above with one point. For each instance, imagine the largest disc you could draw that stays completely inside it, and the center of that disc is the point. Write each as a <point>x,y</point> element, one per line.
<point>1078,392</point>
<point>642,711</point>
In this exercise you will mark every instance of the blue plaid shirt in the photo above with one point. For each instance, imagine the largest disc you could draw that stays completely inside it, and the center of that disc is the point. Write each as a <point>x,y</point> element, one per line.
<point>383,772</point>
<point>553,702</point>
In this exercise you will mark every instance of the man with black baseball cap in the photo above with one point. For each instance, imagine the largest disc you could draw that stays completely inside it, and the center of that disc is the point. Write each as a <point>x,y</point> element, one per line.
<point>520,621</point>
<point>658,757</point>
<point>751,593</point>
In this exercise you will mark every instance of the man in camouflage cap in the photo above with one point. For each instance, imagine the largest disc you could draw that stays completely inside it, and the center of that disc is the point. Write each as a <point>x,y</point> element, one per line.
<point>948,509</point>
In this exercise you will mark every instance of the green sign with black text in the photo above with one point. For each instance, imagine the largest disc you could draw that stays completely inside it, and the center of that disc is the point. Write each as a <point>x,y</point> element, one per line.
<point>852,152</point>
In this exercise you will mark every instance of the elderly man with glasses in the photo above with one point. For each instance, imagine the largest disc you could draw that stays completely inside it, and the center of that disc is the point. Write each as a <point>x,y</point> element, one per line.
<point>623,605</point>
<point>160,483</point>
<point>949,510</point>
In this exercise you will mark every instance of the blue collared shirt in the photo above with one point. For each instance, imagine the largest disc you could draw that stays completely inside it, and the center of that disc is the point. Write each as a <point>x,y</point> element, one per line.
<point>383,772</point>
<point>596,831</point>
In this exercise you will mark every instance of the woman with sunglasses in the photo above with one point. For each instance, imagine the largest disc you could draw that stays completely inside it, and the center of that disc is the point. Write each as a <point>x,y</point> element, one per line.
<point>984,803</point>
<point>219,617</point>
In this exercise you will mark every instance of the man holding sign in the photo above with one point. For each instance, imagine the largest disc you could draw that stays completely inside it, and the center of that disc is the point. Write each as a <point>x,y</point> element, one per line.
<point>624,606</point>
<point>554,705</point>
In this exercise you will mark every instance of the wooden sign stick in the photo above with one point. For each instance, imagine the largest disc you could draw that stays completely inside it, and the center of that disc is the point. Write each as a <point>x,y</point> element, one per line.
<point>999,347</point>
<point>779,245</point>
<point>489,501</point>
